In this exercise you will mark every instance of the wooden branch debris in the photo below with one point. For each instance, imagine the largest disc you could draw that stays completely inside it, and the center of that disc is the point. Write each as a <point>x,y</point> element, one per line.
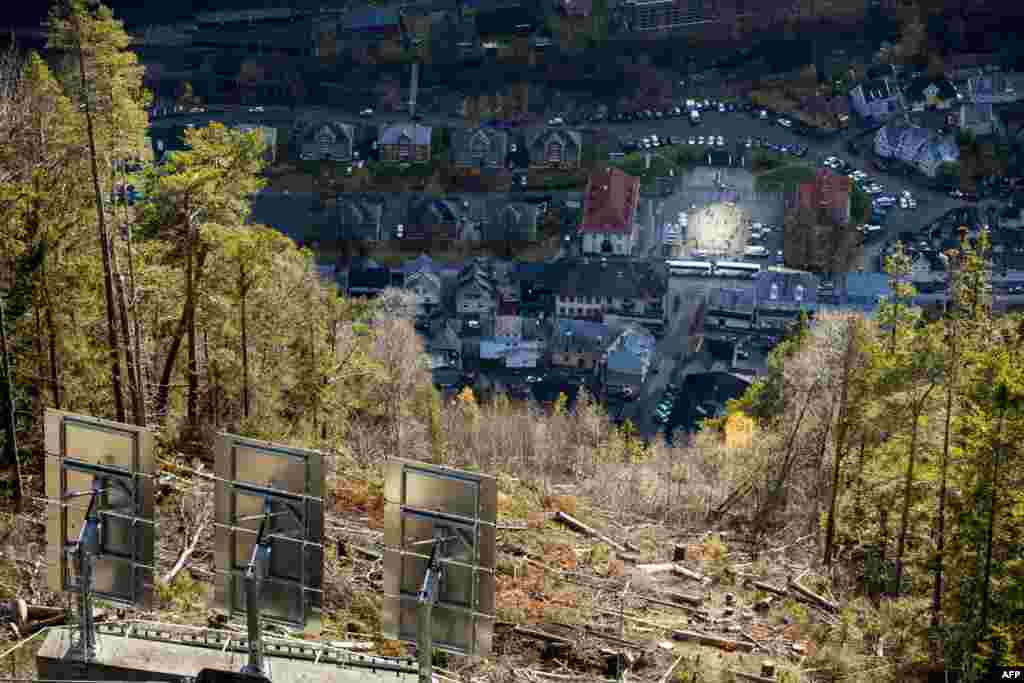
<point>686,608</point>
<point>752,677</point>
<point>656,568</point>
<point>813,597</point>
<point>578,526</point>
<point>714,641</point>
<point>537,634</point>
<point>768,588</point>
<point>667,676</point>
<point>593,632</point>
<point>680,570</point>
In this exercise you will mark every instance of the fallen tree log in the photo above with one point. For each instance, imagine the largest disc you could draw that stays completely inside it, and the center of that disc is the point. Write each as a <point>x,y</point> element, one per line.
<point>820,601</point>
<point>752,677</point>
<point>714,641</point>
<point>680,570</point>
<point>537,634</point>
<point>768,588</point>
<point>676,605</point>
<point>657,568</point>
<point>578,526</point>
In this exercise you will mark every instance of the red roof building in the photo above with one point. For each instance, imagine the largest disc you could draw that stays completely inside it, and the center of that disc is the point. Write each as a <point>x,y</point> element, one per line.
<point>609,213</point>
<point>829,192</point>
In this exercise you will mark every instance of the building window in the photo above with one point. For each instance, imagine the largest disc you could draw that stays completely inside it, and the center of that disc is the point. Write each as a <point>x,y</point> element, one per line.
<point>798,293</point>
<point>554,154</point>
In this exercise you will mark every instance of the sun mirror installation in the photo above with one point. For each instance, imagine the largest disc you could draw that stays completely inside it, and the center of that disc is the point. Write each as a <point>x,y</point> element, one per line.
<point>439,542</point>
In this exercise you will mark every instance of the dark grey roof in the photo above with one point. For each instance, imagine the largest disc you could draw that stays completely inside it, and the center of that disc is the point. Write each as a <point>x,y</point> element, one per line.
<point>582,335</point>
<point>311,129</point>
<point>612,279</point>
<point>786,290</point>
<point>740,297</point>
<point>420,263</point>
<point>495,144</point>
<point>418,134</point>
<point>541,135</point>
<point>511,220</point>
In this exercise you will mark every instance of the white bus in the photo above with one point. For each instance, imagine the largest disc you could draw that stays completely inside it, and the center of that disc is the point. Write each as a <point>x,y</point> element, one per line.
<point>736,269</point>
<point>688,268</point>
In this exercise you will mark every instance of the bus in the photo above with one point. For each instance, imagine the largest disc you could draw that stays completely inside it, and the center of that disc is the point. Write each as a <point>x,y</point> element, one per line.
<point>736,269</point>
<point>689,268</point>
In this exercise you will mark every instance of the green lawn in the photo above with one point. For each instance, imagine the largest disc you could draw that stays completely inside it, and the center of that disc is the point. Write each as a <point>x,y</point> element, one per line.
<point>784,178</point>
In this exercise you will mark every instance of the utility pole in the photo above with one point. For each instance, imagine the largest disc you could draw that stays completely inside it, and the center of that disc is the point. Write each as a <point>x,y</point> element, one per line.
<point>7,387</point>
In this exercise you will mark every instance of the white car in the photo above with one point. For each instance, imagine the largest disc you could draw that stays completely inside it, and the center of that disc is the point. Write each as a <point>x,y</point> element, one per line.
<point>872,228</point>
<point>255,110</point>
<point>557,121</point>
<point>366,112</point>
<point>904,204</point>
<point>721,141</point>
<point>721,108</point>
<point>691,141</point>
<point>700,139</point>
<point>785,123</point>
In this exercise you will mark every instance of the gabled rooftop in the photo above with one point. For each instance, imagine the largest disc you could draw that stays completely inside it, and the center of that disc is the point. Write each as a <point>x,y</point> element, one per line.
<point>611,202</point>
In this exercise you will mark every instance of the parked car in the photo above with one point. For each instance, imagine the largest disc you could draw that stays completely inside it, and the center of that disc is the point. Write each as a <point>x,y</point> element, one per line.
<point>557,121</point>
<point>675,140</point>
<point>785,123</point>
<point>366,112</point>
<point>692,141</point>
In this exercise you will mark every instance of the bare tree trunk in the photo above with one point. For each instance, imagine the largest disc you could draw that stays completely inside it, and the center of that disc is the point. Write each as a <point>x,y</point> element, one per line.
<point>840,448</point>
<point>141,417</point>
<point>245,346</point>
<point>163,391</point>
<point>907,484</point>
<point>940,532</point>
<point>190,313</point>
<point>51,334</point>
<point>138,411</point>
<point>108,277</point>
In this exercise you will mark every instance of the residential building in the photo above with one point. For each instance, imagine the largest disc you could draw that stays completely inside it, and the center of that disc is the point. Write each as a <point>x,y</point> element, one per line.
<point>554,148</point>
<point>628,362</point>
<point>359,218</point>
<point>930,93</point>
<point>512,354</point>
<point>609,225</point>
<point>444,345</point>
<point>995,88</point>
<point>783,295</point>
<point>475,290</point>
<point>979,118</point>
<point>424,281</point>
<point>326,140</point>
<point>916,146</point>
<point>579,344</point>
<point>511,221</point>
<point>430,219</point>
<point>730,307</point>
<point>367,278</point>
<point>479,147</point>
<point>828,193</point>
<point>405,142</point>
<point>876,99</point>
<point>603,290</point>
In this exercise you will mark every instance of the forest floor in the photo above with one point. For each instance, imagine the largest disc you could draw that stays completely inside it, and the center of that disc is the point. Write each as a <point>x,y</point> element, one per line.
<point>570,605</point>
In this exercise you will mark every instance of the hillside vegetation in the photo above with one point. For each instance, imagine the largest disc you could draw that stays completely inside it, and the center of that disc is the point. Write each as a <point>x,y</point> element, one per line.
<point>876,467</point>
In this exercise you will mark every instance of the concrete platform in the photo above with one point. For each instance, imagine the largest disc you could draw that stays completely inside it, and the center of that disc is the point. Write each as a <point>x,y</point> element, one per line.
<point>131,658</point>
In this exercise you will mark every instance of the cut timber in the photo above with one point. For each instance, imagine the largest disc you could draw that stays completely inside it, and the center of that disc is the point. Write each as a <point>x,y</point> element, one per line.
<point>629,558</point>
<point>657,568</point>
<point>593,632</point>
<point>540,635</point>
<point>675,605</point>
<point>577,525</point>
<point>680,570</point>
<point>813,597</point>
<point>714,641</point>
<point>751,677</point>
